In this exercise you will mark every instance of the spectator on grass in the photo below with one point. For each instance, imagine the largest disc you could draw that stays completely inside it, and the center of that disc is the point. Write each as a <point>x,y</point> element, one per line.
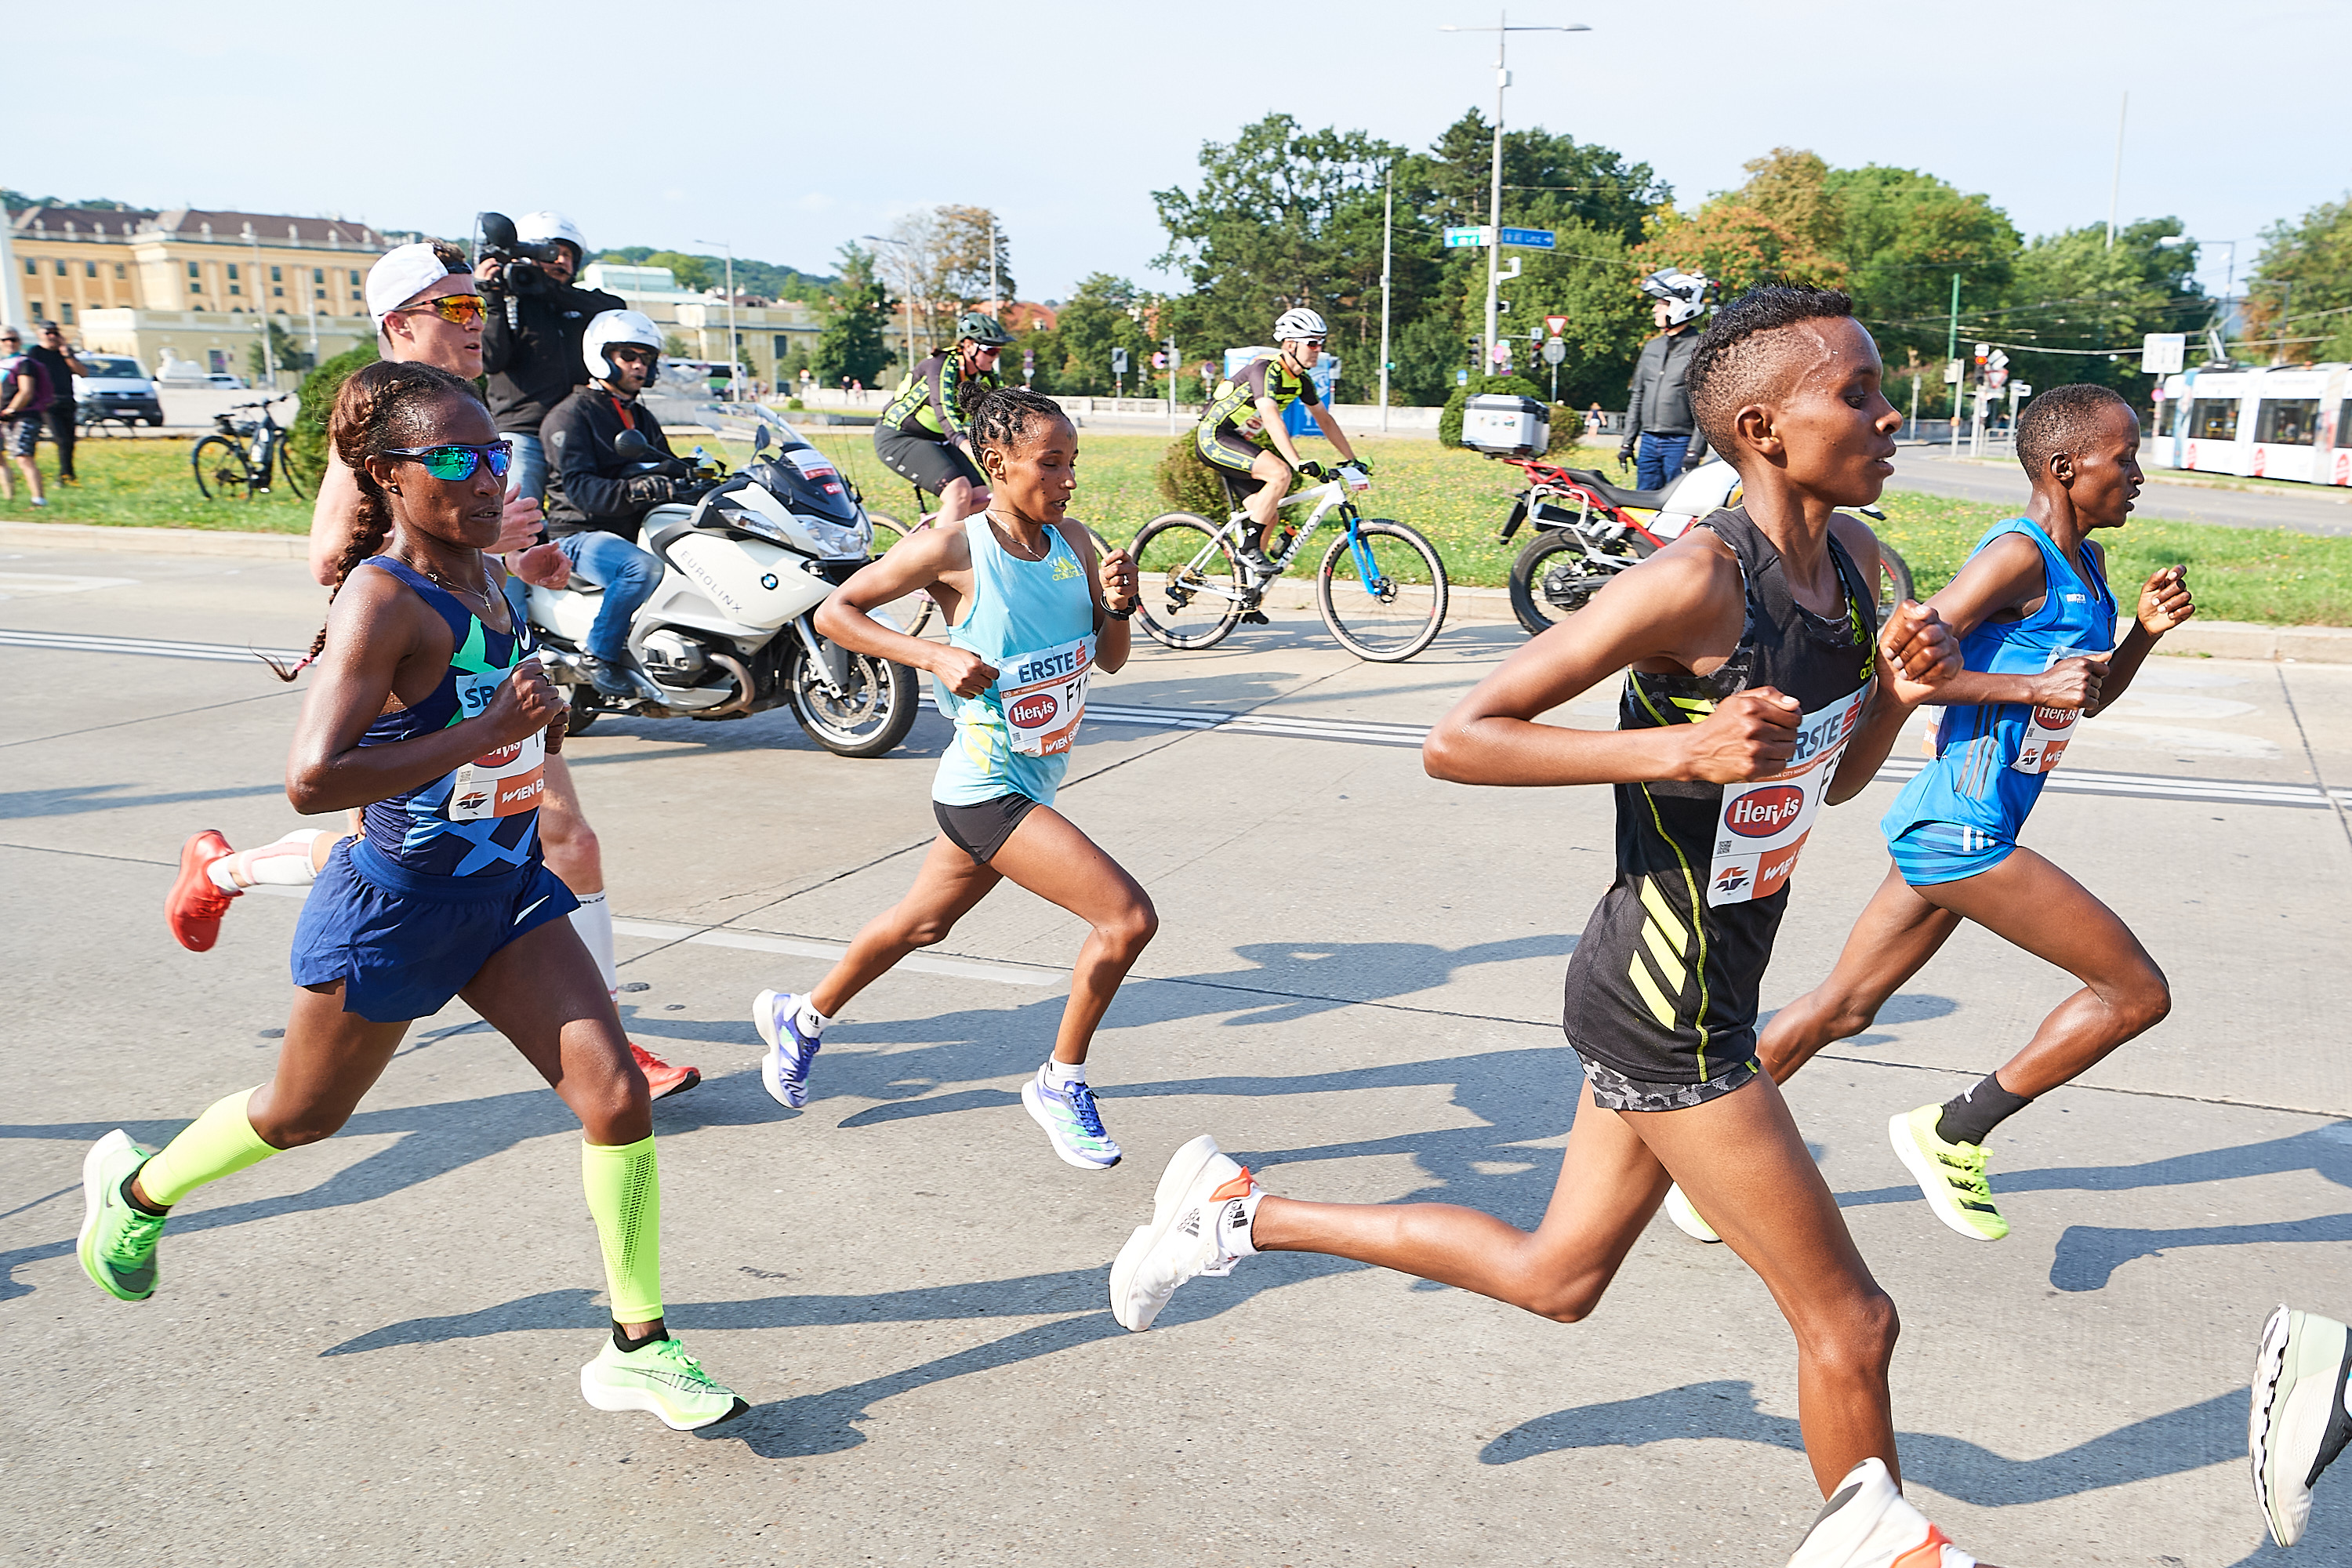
<point>24,404</point>
<point>58,358</point>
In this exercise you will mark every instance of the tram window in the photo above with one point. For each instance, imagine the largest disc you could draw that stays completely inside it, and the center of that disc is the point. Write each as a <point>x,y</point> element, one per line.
<point>2288,421</point>
<point>2214,419</point>
<point>2344,423</point>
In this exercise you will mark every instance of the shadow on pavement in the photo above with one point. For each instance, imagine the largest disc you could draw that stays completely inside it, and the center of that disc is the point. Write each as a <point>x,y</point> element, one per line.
<point>79,799</point>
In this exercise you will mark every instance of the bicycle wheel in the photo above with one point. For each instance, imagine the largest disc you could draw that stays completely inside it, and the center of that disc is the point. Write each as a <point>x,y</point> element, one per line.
<point>294,481</point>
<point>1398,612</point>
<point>1893,580</point>
<point>1189,586</point>
<point>1553,578</point>
<point>221,468</point>
<point>913,611</point>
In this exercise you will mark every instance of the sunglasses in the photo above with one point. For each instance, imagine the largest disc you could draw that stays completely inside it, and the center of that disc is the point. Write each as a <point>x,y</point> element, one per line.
<point>457,464</point>
<point>629,355</point>
<point>458,310</point>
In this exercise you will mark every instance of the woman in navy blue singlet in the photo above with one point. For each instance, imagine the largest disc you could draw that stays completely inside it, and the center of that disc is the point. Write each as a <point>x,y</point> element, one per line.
<point>2037,625</point>
<point>422,714</point>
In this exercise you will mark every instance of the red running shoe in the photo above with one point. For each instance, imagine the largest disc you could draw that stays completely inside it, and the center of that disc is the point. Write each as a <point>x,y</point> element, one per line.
<point>660,1077</point>
<point>194,908</point>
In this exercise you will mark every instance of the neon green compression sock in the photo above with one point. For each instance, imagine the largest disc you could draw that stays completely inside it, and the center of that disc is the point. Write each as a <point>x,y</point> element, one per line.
<point>218,1144</point>
<point>624,1186</point>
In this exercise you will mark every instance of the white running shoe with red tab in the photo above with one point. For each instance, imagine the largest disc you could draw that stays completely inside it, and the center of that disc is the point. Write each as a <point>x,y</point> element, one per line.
<point>1866,1525</point>
<point>1200,1218</point>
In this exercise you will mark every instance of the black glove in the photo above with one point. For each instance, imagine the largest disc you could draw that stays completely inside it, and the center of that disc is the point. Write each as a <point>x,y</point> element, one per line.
<point>649,489</point>
<point>1625,454</point>
<point>1692,459</point>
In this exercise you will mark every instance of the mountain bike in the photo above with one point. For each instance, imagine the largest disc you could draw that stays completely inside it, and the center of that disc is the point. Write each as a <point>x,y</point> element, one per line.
<point>1590,530</point>
<point>1380,586</point>
<point>224,461</point>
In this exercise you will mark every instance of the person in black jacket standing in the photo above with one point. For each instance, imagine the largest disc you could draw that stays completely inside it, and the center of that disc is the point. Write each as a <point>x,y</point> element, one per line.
<point>1662,440</point>
<point>57,357</point>
<point>595,497</point>
<point>531,344</point>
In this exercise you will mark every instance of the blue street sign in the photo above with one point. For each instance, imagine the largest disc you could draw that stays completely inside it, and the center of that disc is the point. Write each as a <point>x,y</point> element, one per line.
<point>1532,238</point>
<point>1475,237</point>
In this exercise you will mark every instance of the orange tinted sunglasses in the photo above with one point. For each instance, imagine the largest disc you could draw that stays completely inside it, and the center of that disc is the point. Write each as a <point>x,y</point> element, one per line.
<point>458,310</point>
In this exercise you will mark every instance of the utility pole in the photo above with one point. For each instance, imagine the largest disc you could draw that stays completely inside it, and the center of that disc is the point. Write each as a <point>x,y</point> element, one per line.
<point>734,354</point>
<point>1502,31</point>
<point>994,304</point>
<point>2115,184</point>
<point>261,310</point>
<point>1952,345</point>
<point>1387,229</point>
<point>1171,384</point>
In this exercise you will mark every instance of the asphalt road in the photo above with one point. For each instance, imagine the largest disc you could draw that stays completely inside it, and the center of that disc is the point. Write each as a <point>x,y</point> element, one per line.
<point>367,1351</point>
<point>2314,509</point>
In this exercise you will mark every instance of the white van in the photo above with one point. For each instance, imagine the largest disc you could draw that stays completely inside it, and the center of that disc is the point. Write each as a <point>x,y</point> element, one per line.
<point>117,387</point>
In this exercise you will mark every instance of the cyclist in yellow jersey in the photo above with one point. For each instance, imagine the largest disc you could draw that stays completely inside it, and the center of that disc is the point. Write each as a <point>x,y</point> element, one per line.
<point>923,436</point>
<point>1242,433</point>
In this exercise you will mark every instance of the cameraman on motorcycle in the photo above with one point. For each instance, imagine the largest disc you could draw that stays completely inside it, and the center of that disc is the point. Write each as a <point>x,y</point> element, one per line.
<point>922,434</point>
<point>531,343</point>
<point>596,498</point>
<point>1662,440</point>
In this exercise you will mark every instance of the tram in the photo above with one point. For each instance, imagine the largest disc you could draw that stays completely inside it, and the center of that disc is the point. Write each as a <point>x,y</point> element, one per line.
<point>2279,422</point>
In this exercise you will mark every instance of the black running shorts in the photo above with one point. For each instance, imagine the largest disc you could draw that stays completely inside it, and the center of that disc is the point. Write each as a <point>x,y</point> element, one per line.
<point>930,465</point>
<point>979,831</point>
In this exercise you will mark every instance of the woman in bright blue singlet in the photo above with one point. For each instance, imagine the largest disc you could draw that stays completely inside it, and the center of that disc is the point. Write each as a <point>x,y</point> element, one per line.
<point>1031,614</point>
<point>2036,622</point>
<point>421,712</point>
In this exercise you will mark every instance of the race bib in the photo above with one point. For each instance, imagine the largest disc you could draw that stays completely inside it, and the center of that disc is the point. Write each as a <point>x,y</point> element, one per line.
<point>2047,729</point>
<point>507,782</point>
<point>1044,696</point>
<point>1763,825</point>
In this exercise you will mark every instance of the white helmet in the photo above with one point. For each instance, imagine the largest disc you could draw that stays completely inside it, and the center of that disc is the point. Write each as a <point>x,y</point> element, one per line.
<point>540,227</point>
<point>1293,326</point>
<point>612,327</point>
<point>1685,293</point>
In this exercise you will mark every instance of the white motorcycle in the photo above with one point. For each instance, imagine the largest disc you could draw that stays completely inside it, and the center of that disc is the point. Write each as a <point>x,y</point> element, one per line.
<point>729,630</point>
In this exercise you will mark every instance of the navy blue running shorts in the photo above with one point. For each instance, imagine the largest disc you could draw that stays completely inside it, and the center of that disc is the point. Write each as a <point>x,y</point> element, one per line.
<point>403,944</point>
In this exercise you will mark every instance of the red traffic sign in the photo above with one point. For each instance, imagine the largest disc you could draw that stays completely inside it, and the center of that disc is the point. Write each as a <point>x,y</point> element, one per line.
<point>1553,324</point>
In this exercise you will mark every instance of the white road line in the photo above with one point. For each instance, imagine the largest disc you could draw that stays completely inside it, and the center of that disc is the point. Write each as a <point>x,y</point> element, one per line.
<point>1353,731</point>
<point>798,947</point>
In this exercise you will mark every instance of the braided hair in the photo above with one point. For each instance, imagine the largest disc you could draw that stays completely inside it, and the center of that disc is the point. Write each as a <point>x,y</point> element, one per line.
<point>1007,418</point>
<point>387,404</point>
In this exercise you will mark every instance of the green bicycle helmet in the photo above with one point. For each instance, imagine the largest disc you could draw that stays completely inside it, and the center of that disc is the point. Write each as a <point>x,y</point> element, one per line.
<point>983,329</point>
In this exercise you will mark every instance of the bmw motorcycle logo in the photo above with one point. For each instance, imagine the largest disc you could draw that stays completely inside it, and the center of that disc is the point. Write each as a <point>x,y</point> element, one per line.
<point>768,581</point>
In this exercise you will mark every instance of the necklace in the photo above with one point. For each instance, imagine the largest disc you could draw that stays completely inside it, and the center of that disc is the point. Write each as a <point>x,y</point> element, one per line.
<point>1044,547</point>
<point>487,590</point>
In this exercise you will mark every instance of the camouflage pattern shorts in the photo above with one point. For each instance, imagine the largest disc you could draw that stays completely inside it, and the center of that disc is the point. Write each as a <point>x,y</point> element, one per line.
<point>1613,1091</point>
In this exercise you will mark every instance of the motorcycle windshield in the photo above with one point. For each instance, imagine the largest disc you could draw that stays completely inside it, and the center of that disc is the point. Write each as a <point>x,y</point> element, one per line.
<point>806,480</point>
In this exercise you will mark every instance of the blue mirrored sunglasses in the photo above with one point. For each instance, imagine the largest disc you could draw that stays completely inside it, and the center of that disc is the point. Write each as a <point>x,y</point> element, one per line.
<point>458,463</point>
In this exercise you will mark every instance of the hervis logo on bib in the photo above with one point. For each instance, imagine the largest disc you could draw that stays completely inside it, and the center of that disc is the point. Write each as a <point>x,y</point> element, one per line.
<point>1762,813</point>
<point>2056,718</point>
<point>1031,712</point>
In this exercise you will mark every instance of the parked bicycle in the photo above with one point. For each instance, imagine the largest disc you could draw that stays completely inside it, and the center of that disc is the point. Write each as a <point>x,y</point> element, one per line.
<point>1590,530</point>
<point>1380,586</point>
<point>240,454</point>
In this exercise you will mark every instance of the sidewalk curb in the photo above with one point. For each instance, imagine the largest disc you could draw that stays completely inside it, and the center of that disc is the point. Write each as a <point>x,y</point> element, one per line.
<point>1468,607</point>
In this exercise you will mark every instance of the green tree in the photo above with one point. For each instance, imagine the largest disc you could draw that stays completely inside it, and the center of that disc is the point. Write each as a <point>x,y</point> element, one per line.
<point>1104,314</point>
<point>2072,291</point>
<point>2301,286</point>
<point>286,348</point>
<point>851,344</point>
<point>691,272</point>
<point>316,402</point>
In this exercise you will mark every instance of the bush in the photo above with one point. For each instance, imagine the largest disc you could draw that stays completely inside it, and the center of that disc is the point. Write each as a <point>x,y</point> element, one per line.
<point>1449,423</point>
<point>1189,483</point>
<point>318,396</point>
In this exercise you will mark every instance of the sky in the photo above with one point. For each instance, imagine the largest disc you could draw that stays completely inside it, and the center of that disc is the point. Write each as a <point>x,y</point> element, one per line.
<point>787,128</point>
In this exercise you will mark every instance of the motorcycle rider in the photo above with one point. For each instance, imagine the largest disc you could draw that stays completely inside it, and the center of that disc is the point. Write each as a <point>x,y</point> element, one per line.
<point>1662,440</point>
<point>531,344</point>
<point>596,498</point>
<point>1242,434</point>
<point>924,437</point>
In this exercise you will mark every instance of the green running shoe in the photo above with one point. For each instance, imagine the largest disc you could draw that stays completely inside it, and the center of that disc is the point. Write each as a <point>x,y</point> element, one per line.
<point>662,1378</point>
<point>1951,1174</point>
<point>2297,1424</point>
<point>117,1242</point>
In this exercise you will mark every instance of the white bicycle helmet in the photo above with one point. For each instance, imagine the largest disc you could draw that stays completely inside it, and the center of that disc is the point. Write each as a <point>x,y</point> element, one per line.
<point>612,327</point>
<point>541,226</point>
<point>1685,293</point>
<point>1294,326</point>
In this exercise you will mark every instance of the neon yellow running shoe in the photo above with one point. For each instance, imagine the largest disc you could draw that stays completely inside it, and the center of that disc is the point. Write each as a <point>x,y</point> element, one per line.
<point>1951,1174</point>
<point>117,1242</point>
<point>662,1378</point>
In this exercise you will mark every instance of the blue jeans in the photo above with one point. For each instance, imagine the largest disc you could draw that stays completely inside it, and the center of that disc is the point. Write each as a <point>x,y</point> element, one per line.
<point>529,475</point>
<point>1658,460</point>
<point>628,576</point>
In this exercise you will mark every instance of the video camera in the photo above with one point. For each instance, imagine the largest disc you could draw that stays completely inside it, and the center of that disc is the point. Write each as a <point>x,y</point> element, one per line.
<point>523,270</point>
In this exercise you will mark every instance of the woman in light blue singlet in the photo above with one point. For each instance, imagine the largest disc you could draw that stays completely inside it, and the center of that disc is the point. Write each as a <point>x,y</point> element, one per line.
<point>420,711</point>
<point>2037,626</point>
<point>1030,615</point>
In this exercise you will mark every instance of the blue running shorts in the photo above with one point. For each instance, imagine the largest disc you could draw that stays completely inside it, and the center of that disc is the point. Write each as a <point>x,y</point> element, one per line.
<point>402,942</point>
<point>1931,852</point>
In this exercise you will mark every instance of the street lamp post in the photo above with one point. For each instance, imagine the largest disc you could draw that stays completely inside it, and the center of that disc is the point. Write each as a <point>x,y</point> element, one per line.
<point>1502,31</point>
<point>733,392</point>
<point>906,299</point>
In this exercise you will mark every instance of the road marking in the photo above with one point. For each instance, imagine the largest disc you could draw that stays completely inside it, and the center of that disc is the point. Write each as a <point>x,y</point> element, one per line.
<point>15,583</point>
<point>1353,731</point>
<point>800,947</point>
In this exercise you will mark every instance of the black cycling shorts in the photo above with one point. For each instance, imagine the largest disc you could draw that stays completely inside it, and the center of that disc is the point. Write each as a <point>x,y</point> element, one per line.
<point>931,464</point>
<point>979,831</point>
